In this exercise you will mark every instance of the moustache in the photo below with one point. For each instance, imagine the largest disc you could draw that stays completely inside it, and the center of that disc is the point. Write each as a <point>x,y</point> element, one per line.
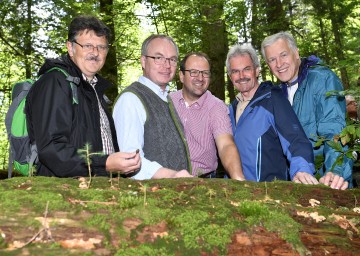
<point>95,58</point>
<point>241,80</point>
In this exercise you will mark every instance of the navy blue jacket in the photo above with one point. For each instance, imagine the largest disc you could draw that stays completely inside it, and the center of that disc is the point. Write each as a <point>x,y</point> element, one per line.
<point>271,142</point>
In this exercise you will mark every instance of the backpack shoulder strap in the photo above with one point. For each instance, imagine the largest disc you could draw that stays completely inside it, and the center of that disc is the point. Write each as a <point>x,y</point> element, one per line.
<point>73,82</point>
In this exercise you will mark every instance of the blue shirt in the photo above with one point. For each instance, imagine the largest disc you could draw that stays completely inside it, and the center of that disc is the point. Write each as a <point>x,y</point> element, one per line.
<point>129,115</point>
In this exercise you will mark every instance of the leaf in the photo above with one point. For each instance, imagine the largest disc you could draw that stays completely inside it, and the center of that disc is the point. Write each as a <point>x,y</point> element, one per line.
<point>335,145</point>
<point>318,143</point>
<point>80,243</point>
<point>314,215</point>
<point>314,202</point>
<point>345,139</point>
<point>342,222</point>
<point>351,129</point>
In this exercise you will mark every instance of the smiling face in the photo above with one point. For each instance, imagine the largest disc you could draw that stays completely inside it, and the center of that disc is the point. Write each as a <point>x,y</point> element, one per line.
<point>89,61</point>
<point>194,87</point>
<point>160,74</point>
<point>283,61</point>
<point>244,75</point>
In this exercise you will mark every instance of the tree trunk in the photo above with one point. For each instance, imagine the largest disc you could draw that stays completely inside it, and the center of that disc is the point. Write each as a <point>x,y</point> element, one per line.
<point>335,22</point>
<point>109,71</point>
<point>276,17</point>
<point>27,41</point>
<point>214,41</point>
<point>323,41</point>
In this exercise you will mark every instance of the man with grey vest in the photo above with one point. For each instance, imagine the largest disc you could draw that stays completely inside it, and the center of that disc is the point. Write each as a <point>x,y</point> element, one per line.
<point>144,120</point>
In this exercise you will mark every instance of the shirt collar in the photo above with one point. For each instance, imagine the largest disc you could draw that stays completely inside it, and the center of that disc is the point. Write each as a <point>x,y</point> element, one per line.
<point>92,82</point>
<point>240,98</point>
<point>154,87</point>
<point>200,102</point>
<point>295,81</point>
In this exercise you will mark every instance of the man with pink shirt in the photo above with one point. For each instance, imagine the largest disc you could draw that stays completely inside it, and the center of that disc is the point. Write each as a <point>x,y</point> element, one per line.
<point>206,120</point>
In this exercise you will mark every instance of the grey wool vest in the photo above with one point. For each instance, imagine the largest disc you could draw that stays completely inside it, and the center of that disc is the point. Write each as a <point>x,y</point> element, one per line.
<point>164,140</point>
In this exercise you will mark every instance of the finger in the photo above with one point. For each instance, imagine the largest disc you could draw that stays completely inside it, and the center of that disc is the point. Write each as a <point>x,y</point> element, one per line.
<point>336,182</point>
<point>296,180</point>
<point>305,179</point>
<point>345,185</point>
<point>312,180</point>
<point>328,179</point>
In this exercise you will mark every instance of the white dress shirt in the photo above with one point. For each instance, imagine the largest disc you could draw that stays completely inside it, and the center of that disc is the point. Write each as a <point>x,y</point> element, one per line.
<point>129,115</point>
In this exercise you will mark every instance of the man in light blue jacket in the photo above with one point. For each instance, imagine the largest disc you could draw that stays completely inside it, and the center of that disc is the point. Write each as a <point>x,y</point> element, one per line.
<point>305,83</point>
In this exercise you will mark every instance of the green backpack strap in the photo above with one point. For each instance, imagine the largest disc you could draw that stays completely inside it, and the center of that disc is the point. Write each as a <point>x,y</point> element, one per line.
<point>74,81</point>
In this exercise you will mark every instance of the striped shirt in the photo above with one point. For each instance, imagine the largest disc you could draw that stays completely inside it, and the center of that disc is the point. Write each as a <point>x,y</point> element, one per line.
<point>107,142</point>
<point>203,121</point>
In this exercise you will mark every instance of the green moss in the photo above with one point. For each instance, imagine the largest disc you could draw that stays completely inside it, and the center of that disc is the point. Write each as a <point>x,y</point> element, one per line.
<point>99,221</point>
<point>129,201</point>
<point>197,232</point>
<point>257,213</point>
<point>200,215</point>
<point>148,250</point>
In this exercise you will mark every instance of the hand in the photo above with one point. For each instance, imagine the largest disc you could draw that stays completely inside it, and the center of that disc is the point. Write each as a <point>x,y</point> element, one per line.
<point>182,174</point>
<point>169,173</point>
<point>334,181</point>
<point>305,178</point>
<point>124,163</point>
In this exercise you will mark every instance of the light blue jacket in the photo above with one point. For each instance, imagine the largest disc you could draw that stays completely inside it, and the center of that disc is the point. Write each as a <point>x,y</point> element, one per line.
<point>321,115</point>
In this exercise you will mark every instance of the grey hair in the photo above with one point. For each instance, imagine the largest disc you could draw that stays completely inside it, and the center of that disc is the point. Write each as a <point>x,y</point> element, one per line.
<point>242,50</point>
<point>145,45</point>
<point>286,36</point>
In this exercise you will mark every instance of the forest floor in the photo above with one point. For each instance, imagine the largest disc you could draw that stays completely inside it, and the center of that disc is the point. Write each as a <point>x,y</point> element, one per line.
<point>52,216</point>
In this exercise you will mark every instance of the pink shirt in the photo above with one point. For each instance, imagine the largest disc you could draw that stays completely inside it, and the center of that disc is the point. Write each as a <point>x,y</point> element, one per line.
<point>203,121</point>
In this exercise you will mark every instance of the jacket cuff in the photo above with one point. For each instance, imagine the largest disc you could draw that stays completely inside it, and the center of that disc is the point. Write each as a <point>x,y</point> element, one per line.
<point>98,165</point>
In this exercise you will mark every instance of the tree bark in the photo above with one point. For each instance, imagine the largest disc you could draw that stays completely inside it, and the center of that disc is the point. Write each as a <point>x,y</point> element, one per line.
<point>27,40</point>
<point>335,22</point>
<point>109,71</point>
<point>323,40</point>
<point>214,41</point>
<point>276,17</point>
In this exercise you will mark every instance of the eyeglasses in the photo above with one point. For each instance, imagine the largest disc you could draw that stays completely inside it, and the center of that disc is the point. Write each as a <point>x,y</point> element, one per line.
<point>161,60</point>
<point>90,47</point>
<point>238,71</point>
<point>195,72</point>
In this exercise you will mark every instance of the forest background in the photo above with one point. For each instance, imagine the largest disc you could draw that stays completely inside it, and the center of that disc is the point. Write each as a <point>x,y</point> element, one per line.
<point>32,30</point>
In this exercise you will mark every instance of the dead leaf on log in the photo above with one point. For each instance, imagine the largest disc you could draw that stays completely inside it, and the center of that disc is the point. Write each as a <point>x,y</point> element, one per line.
<point>314,215</point>
<point>356,209</point>
<point>314,202</point>
<point>80,243</point>
<point>59,221</point>
<point>342,222</point>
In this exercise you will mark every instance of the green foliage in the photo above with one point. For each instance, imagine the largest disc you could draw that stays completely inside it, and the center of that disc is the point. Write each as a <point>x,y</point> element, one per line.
<point>349,136</point>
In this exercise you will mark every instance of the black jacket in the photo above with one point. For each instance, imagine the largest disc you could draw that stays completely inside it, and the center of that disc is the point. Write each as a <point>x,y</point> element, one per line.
<point>59,127</point>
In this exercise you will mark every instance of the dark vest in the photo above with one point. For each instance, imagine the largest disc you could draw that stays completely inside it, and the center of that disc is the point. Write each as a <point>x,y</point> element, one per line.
<point>164,141</point>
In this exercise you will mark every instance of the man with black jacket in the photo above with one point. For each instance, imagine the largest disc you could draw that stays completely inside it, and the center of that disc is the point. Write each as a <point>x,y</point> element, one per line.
<point>63,118</point>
